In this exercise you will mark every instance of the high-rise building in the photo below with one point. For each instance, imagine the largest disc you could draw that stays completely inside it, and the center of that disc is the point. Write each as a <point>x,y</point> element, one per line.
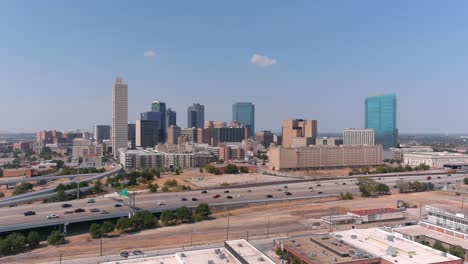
<point>102,132</point>
<point>381,114</point>
<point>265,137</point>
<point>132,135</point>
<point>171,118</point>
<point>147,133</point>
<point>244,113</point>
<point>157,117</point>
<point>173,134</point>
<point>189,134</point>
<point>160,107</point>
<point>299,130</point>
<point>196,116</point>
<point>359,136</point>
<point>119,116</point>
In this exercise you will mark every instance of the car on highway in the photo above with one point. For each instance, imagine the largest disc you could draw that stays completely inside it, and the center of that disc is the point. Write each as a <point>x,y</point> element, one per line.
<point>194,199</point>
<point>68,212</point>
<point>91,201</point>
<point>183,199</point>
<point>117,205</point>
<point>124,254</point>
<point>344,183</point>
<point>79,210</point>
<point>137,252</point>
<point>161,203</point>
<point>226,191</point>
<point>104,212</point>
<point>28,213</point>
<point>311,188</point>
<point>66,205</point>
<point>279,190</point>
<point>318,185</point>
<point>94,210</point>
<point>428,178</point>
<point>229,197</point>
<point>204,191</point>
<point>285,187</point>
<point>288,193</point>
<point>52,216</point>
<point>269,196</point>
<point>319,192</point>
<point>216,196</point>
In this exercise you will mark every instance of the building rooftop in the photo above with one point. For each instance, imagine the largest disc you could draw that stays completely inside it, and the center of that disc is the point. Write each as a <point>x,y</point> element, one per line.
<point>417,230</point>
<point>324,249</point>
<point>393,249</point>
<point>374,211</point>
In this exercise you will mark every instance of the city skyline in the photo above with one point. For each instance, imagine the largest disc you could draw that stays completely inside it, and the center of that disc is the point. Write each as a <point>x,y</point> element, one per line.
<point>303,54</point>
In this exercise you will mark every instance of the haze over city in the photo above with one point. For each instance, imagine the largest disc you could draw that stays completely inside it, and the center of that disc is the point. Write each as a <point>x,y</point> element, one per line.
<point>309,59</point>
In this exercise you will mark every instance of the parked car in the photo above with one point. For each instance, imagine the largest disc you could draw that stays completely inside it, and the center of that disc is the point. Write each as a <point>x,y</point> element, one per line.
<point>124,254</point>
<point>28,213</point>
<point>52,216</point>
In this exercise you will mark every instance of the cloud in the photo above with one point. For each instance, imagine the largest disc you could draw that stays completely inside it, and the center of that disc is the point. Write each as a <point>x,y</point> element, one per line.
<point>149,53</point>
<point>262,60</point>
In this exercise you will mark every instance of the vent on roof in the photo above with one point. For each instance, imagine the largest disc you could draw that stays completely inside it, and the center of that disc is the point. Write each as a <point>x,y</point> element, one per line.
<point>210,262</point>
<point>217,251</point>
<point>240,245</point>
<point>182,255</point>
<point>261,259</point>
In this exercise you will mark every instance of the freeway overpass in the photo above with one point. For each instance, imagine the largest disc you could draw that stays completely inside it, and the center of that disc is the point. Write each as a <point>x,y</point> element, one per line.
<point>12,219</point>
<point>45,177</point>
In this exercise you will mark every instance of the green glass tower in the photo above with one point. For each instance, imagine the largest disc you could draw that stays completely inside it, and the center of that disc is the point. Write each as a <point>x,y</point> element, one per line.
<point>381,114</point>
<point>244,113</point>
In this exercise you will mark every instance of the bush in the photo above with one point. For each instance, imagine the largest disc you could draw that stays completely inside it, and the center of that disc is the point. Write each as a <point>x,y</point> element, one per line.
<point>33,239</point>
<point>107,227</point>
<point>14,243</point>
<point>465,181</point>
<point>171,183</point>
<point>457,251</point>
<point>165,189</point>
<point>212,169</point>
<point>183,215</point>
<point>202,212</point>
<point>153,187</point>
<point>2,195</point>
<point>123,224</point>
<point>22,188</point>
<point>95,230</point>
<point>56,238</point>
<point>243,169</point>
<point>168,217</point>
<point>231,169</point>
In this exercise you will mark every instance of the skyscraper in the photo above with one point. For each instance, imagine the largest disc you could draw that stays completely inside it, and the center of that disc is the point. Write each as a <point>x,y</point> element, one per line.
<point>101,133</point>
<point>132,135</point>
<point>299,130</point>
<point>160,107</point>
<point>171,118</point>
<point>244,113</point>
<point>147,133</point>
<point>156,117</point>
<point>381,114</point>
<point>196,116</point>
<point>119,116</point>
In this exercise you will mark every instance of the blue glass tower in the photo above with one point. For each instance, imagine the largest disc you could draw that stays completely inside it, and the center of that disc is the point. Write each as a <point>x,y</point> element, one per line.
<point>160,107</point>
<point>244,113</point>
<point>381,114</point>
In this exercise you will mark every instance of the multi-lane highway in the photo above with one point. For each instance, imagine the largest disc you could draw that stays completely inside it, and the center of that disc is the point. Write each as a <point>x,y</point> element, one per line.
<point>14,218</point>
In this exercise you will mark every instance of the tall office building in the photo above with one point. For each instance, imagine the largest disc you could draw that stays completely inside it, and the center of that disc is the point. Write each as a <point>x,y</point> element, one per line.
<point>171,118</point>
<point>173,134</point>
<point>244,113</point>
<point>359,136</point>
<point>119,116</point>
<point>160,107</point>
<point>297,130</point>
<point>196,116</point>
<point>147,133</point>
<point>132,135</point>
<point>381,114</point>
<point>101,133</point>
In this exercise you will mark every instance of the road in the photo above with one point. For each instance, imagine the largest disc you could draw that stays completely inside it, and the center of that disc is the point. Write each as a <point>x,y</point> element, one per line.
<point>14,219</point>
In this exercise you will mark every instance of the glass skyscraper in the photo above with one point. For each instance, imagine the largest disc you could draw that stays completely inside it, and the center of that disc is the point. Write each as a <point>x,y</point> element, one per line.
<point>381,114</point>
<point>196,116</point>
<point>244,113</point>
<point>160,107</point>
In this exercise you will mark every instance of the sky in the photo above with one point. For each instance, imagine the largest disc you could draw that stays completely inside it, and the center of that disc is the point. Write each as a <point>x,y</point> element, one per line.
<point>292,59</point>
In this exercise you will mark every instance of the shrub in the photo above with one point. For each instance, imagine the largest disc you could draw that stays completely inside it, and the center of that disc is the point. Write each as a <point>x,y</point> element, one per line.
<point>33,239</point>
<point>202,212</point>
<point>56,238</point>
<point>95,230</point>
<point>107,227</point>
<point>14,243</point>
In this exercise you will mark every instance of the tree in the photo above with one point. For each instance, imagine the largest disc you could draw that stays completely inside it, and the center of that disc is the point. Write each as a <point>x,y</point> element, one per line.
<point>153,187</point>
<point>202,212</point>
<point>381,188</point>
<point>457,251</point>
<point>33,239</point>
<point>61,196</point>
<point>231,169</point>
<point>171,183</point>
<point>123,224</point>
<point>95,230</point>
<point>107,227</point>
<point>142,220</point>
<point>2,195</point>
<point>438,246</point>
<point>22,188</point>
<point>56,238</point>
<point>167,217</point>
<point>184,215</point>
<point>465,181</point>
<point>366,186</point>
<point>14,243</point>
<point>177,171</point>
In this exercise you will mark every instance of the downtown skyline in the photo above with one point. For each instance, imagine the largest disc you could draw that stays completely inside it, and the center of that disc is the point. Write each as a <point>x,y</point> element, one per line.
<point>298,60</point>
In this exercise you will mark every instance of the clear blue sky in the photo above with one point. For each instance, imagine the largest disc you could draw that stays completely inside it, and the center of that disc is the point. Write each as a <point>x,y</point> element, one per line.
<point>59,60</point>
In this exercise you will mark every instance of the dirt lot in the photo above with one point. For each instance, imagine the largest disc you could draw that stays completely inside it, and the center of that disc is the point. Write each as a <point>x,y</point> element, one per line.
<point>259,221</point>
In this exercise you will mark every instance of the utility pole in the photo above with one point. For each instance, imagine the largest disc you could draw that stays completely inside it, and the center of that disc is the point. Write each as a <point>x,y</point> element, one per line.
<point>462,204</point>
<point>268,226</point>
<point>101,247</point>
<point>191,237</point>
<point>330,229</point>
<point>78,185</point>
<point>227,229</point>
<point>60,258</point>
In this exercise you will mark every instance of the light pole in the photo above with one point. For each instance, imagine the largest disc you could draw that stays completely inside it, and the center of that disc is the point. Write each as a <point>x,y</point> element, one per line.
<point>268,226</point>
<point>227,229</point>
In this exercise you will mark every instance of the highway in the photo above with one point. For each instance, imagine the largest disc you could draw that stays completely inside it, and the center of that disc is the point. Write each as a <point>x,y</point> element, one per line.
<point>46,178</point>
<point>14,219</point>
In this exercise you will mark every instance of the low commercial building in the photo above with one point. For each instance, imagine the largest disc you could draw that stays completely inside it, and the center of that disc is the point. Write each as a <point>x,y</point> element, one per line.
<point>234,252</point>
<point>324,249</point>
<point>359,136</point>
<point>376,215</point>
<point>446,221</point>
<point>88,151</point>
<point>288,158</point>
<point>394,249</point>
<point>329,141</point>
<point>434,159</point>
<point>399,153</point>
<point>142,159</point>
<point>23,146</point>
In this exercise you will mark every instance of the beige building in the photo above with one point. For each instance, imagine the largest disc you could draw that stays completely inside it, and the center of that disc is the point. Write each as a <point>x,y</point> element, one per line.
<point>119,136</point>
<point>284,158</point>
<point>189,134</point>
<point>299,128</point>
<point>173,134</point>
<point>90,152</point>
<point>435,160</point>
<point>359,136</point>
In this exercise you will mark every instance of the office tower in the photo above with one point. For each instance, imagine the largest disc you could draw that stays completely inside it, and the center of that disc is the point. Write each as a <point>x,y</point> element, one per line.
<point>119,116</point>
<point>147,133</point>
<point>171,118</point>
<point>132,135</point>
<point>359,136</point>
<point>160,107</point>
<point>381,114</point>
<point>196,116</point>
<point>244,113</point>
<point>299,131</point>
<point>229,135</point>
<point>173,134</point>
<point>264,137</point>
<point>102,132</point>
